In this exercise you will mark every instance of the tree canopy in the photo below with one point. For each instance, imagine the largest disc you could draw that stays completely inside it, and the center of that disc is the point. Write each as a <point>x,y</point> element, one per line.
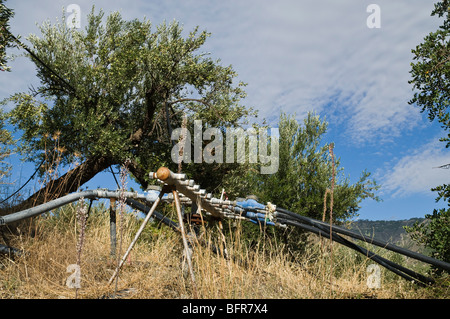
<point>430,71</point>
<point>121,85</point>
<point>305,174</point>
<point>5,38</point>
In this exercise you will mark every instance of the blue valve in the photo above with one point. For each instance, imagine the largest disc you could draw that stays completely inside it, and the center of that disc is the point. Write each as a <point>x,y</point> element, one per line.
<point>250,204</point>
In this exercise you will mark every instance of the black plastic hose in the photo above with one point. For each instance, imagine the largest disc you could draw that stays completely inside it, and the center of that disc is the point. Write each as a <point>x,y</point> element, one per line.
<point>11,251</point>
<point>436,262</point>
<point>397,269</point>
<point>145,209</point>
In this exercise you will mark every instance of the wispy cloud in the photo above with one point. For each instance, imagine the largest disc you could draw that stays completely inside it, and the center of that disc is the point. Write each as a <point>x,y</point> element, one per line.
<point>299,56</point>
<point>296,56</point>
<point>417,172</point>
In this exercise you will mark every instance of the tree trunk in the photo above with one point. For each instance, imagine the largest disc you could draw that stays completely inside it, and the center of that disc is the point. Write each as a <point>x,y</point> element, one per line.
<point>63,185</point>
<point>139,173</point>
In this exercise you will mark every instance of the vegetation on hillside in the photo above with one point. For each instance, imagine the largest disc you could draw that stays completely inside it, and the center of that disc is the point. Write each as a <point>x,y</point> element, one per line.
<point>392,231</point>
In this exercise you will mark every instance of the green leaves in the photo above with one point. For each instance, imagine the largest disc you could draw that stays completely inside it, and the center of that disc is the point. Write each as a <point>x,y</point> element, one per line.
<point>120,75</point>
<point>431,72</point>
<point>305,173</point>
<point>6,40</point>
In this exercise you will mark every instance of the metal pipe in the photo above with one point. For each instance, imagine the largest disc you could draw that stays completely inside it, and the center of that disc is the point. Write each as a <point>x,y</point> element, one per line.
<point>40,209</point>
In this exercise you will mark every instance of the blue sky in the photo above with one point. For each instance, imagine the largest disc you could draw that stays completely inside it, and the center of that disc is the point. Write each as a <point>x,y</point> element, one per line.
<point>300,56</point>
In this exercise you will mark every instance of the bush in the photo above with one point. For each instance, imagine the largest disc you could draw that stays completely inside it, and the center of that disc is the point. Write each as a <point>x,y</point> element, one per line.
<point>434,232</point>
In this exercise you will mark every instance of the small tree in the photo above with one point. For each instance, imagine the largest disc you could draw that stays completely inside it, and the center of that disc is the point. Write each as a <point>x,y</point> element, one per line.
<point>305,174</point>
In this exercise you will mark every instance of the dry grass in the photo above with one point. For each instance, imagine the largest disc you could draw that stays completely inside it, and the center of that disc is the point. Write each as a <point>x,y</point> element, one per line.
<point>154,269</point>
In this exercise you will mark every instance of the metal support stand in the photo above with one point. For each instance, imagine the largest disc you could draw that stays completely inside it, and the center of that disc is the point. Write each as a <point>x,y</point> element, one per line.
<point>187,250</point>
<point>147,218</point>
<point>112,226</point>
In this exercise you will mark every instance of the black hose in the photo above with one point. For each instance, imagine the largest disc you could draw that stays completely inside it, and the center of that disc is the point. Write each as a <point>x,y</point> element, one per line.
<point>6,250</point>
<point>40,209</point>
<point>397,269</point>
<point>145,209</point>
<point>61,201</point>
<point>438,263</point>
<point>369,254</point>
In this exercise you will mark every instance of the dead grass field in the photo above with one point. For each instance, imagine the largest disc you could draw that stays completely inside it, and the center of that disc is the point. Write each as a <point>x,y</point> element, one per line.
<point>154,268</point>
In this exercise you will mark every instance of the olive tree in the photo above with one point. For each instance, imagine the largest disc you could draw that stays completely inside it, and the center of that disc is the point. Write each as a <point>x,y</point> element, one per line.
<point>112,93</point>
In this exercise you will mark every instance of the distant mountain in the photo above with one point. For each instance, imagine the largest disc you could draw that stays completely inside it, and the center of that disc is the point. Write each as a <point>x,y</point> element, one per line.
<point>391,231</point>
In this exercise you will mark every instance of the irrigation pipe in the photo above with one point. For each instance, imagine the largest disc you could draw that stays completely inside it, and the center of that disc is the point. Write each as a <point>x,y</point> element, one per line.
<point>397,269</point>
<point>40,209</point>
<point>438,263</point>
<point>6,250</point>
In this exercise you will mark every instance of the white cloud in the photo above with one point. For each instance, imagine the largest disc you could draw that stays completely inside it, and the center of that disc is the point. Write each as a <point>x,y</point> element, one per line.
<point>418,172</point>
<point>296,55</point>
<point>303,55</point>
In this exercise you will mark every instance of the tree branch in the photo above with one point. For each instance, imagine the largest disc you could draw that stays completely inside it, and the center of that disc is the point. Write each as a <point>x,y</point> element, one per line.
<point>63,185</point>
<point>139,173</point>
<point>196,100</point>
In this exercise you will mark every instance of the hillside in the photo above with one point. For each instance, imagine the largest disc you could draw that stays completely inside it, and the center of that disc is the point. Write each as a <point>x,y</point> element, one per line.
<point>386,230</point>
